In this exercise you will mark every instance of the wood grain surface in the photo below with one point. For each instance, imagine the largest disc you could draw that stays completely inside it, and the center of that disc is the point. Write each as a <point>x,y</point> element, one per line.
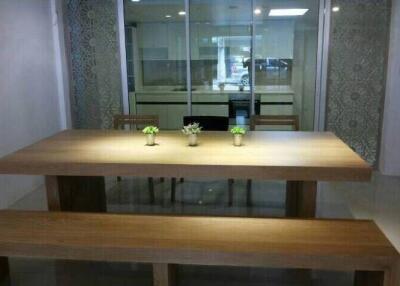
<point>292,156</point>
<point>315,244</point>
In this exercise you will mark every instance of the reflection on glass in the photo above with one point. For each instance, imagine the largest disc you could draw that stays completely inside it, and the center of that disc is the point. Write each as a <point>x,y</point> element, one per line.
<point>156,59</point>
<point>285,53</point>
<point>220,55</point>
<point>285,58</point>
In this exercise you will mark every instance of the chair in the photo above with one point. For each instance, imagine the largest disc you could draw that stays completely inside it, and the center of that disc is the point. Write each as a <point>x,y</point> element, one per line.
<point>275,120</point>
<point>120,121</point>
<point>288,120</point>
<point>208,123</point>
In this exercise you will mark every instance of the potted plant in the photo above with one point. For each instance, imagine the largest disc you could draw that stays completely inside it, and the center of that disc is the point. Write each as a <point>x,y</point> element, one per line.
<point>191,130</point>
<point>150,132</point>
<point>238,133</point>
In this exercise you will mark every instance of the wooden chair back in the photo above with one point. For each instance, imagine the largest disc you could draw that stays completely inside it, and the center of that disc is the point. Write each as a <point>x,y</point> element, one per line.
<point>287,120</point>
<point>120,121</point>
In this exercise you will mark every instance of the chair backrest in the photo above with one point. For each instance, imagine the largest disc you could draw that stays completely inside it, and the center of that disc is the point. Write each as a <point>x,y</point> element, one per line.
<point>120,121</point>
<point>209,123</point>
<point>287,120</point>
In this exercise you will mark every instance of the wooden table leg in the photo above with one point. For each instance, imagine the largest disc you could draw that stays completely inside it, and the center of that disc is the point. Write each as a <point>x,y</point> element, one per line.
<point>301,199</point>
<point>4,269</point>
<point>76,194</point>
<point>369,278</point>
<point>164,274</point>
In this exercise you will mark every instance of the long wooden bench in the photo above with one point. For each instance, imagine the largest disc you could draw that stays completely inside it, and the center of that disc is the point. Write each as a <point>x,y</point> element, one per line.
<point>168,240</point>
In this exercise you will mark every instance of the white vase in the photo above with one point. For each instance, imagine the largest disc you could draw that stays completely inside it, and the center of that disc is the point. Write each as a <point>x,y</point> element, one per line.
<point>237,139</point>
<point>192,139</point>
<point>150,139</point>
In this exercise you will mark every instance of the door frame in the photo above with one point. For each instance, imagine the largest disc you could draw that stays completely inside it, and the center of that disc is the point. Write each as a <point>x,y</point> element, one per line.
<point>322,64</point>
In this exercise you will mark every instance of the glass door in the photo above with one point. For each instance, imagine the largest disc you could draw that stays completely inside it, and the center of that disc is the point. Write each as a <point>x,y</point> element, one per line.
<point>156,59</point>
<point>229,41</point>
<point>220,46</point>
<point>286,46</point>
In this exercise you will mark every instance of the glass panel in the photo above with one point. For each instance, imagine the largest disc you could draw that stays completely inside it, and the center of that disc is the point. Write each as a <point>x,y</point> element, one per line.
<point>156,59</point>
<point>286,59</point>
<point>220,56</point>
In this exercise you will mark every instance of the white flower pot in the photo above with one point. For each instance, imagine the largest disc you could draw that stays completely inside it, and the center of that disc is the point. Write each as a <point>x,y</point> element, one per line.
<point>237,139</point>
<point>150,139</point>
<point>192,139</point>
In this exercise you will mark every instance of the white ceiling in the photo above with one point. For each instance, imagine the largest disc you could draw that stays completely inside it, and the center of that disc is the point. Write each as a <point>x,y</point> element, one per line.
<point>214,11</point>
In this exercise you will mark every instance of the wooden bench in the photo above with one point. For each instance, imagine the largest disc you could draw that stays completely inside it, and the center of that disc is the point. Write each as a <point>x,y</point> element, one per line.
<point>165,241</point>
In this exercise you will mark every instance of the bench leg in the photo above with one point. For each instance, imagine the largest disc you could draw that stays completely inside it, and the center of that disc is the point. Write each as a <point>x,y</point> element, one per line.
<point>4,269</point>
<point>164,274</point>
<point>369,278</point>
<point>301,199</point>
<point>77,194</point>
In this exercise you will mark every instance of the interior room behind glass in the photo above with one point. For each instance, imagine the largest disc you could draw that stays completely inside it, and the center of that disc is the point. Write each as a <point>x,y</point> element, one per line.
<point>221,57</point>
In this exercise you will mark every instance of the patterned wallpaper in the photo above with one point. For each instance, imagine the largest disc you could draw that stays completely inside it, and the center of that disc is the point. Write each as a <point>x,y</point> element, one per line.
<point>91,28</point>
<point>356,79</point>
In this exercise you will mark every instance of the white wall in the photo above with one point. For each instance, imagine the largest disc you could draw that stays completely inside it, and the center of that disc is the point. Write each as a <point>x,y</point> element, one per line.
<point>29,98</point>
<point>390,145</point>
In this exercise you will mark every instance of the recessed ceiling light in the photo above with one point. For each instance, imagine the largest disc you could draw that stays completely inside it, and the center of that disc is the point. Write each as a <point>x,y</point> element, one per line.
<point>168,16</point>
<point>287,12</point>
<point>135,0</point>
<point>336,9</point>
<point>182,13</point>
<point>257,11</point>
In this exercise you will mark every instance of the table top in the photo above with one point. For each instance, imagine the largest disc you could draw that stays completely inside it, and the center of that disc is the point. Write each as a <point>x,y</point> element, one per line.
<point>301,156</point>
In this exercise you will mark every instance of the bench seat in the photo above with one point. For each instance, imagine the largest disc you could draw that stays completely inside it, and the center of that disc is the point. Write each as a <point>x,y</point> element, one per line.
<point>346,245</point>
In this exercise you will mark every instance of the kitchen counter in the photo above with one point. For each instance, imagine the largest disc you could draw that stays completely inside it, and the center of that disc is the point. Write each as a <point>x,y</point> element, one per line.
<point>171,106</point>
<point>201,90</point>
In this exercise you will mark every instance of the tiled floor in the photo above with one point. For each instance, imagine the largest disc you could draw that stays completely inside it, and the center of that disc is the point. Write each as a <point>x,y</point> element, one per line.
<point>378,200</point>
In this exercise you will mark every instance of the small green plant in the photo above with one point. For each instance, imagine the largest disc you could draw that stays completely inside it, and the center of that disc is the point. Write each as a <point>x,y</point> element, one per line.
<point>237,130</point>
<point>151,130</point>
<point>192,128</point>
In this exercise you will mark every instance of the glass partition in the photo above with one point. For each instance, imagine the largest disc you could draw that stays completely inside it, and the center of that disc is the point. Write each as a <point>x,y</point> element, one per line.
<point>156,59</point>
<point>286,44</point>
<point>277,40</point>
<point>220,41</point>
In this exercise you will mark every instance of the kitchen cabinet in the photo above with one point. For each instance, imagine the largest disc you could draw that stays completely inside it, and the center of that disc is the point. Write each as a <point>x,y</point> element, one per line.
<point>176,42</point>
<point>160,41</point>
<point>152,35</point>
<point>210,104</point>
<point>276,104</point>
<point>170,115</point>
<point>169,107</point>
<point>210,109</point>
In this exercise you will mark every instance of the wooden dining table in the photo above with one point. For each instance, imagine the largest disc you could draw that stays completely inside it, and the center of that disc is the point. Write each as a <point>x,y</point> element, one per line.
<point>75,162</point>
